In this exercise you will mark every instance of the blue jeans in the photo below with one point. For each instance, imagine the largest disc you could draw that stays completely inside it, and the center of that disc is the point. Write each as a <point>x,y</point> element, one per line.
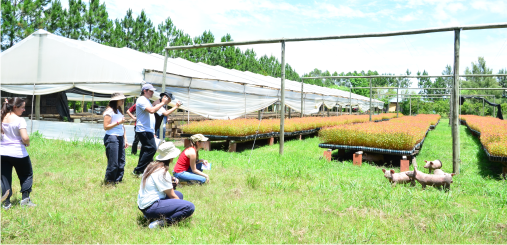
<point>172,210</point>
<point>115,152</point>
<point>157,132</point>
<point>148,150</point>
<point>189,175</point>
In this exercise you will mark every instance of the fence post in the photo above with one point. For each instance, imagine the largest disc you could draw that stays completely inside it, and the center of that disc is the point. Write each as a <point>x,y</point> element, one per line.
<point>455,104</point>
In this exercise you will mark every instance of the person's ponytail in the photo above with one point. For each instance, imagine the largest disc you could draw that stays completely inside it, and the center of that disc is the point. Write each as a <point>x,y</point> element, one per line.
<point>8,106</point>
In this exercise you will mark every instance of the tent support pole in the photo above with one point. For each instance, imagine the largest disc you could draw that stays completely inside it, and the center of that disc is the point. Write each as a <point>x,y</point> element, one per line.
<point>350,99</point>
<point>455,105</point>
<point>494,107</point>
<point>282,103</point>
<point>371,95</point>
<point>244,93</point>
<point>301,98</point>
<point>188,106</point>
<point>37,107</point>
<point>397,100</point>
<point>93,103</point>
<point>161,135</point>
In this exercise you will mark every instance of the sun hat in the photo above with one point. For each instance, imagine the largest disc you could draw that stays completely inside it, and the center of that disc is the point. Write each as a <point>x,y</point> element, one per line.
<point>168,94</point>
<point>149,87</point>
<point>198,137</point>
<point>117,96</point>
<point>166,151</point>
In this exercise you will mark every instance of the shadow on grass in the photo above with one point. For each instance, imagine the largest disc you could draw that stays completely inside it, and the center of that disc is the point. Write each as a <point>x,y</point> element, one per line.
<point>379,160</point>
<point>486,167</point>
<point>144,222</point>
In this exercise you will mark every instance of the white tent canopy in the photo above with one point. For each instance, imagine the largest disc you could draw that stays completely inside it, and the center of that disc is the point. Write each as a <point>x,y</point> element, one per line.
<point>45,63</point>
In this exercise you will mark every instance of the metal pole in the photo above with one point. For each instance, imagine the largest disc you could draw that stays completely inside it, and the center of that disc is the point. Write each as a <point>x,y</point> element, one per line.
<point>371,94</point>
<point>244,93</point>
<point>93,102</point>
<point>397,100</point>
<point>282,103</point>
<point>350,100</point>
<point>455,104</point>
<point>301,98</point>
<point>161,135</point>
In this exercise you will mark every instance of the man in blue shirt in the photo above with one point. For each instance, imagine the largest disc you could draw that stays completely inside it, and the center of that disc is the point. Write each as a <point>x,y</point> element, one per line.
<point>145,126</point>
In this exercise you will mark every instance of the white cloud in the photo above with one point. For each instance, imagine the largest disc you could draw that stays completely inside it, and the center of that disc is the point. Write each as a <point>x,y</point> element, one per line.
<point>491,6</point>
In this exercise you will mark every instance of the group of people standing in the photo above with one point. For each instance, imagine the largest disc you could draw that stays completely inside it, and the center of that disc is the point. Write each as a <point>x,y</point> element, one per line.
<point>157,197</point>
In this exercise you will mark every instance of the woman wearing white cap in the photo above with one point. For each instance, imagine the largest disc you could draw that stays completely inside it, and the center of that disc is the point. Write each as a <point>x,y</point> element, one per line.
<point>115,139</point>
<point>189,167</point>
<point>157,197</point>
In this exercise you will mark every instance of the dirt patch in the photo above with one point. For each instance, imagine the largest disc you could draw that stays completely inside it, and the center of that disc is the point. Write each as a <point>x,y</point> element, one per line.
<point>299,234</point>
<point>501,226</point>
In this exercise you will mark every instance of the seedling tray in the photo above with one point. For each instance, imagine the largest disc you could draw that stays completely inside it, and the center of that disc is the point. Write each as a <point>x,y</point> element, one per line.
<point>491,158</point>
<point>414,151</point>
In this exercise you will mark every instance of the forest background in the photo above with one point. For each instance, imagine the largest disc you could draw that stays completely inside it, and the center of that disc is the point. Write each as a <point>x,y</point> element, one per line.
<point>88,20</point>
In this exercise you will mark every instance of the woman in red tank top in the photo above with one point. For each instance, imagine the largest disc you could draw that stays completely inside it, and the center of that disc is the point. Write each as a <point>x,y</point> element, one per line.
<point>189,167</point>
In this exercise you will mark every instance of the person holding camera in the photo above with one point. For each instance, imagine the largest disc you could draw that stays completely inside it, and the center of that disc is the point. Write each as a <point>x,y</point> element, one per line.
<point>157,196</point>
<point>115,139</point>
<point>145,125</point>
<point>14,155</point>
<point>189,166</point>
<point>161,115</point>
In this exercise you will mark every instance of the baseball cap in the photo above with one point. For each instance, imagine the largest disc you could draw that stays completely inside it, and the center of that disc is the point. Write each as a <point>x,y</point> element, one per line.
<point>168,94</point>
<point>149,87</point>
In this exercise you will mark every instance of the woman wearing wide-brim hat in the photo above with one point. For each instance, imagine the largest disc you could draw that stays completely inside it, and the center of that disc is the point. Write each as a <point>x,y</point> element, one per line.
<point>157,198</point>
<point>115,139</point>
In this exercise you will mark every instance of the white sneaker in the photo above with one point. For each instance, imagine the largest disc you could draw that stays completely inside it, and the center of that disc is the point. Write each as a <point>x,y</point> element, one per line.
<point>27,203</point>
<point>157,224</point>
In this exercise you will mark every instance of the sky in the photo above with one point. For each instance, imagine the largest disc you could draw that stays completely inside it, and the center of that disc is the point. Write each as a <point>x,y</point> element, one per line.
<point>265,19</point>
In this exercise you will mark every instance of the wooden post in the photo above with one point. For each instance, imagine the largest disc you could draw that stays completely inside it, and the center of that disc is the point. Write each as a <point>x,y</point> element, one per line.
<point>282,103</point>
<point>37,107</point>
<point>494,107</point>
<point>301,98</point>
<point>410,97</point>
<point>232,146</point>
<point>455,104</point>
<point>83,105</point>
<point>259,114</point>
<point>289,112</point>
<point>161,135</point>
<point>482,106</point>
<point>371,95</point>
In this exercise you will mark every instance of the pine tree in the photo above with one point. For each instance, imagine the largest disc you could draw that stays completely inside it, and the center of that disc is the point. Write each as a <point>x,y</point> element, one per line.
<point>9,23</point>
<point>97,24</point>
<point>128,29</point>
<point>55,18</point>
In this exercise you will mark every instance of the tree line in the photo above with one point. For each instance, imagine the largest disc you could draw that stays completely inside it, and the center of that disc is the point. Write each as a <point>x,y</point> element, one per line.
<point>90,21</point>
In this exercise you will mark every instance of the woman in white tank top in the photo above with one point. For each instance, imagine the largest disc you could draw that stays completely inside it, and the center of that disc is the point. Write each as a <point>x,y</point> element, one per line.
<point>115,139</point>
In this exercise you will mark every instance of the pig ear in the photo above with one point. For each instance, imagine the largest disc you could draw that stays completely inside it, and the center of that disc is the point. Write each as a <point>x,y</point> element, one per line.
<point>392,171</point>
<point>431,163</point>
<point>453,174</point>
<point>425,161</point>
<point>383,170</point>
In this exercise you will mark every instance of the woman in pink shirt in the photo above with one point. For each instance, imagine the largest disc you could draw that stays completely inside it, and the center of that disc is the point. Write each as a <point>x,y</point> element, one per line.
<point>14,154</point>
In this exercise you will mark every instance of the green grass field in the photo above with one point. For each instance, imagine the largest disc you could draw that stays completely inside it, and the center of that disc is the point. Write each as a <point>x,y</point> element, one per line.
<point>294,198</point>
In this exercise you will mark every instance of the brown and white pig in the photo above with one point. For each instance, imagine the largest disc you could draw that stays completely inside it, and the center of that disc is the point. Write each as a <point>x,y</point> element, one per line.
<point>432,165</point>
<point>436,180</point>
<point>395,178</point>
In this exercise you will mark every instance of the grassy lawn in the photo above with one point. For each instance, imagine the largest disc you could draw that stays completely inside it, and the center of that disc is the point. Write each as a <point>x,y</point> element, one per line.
<point>294,198</point>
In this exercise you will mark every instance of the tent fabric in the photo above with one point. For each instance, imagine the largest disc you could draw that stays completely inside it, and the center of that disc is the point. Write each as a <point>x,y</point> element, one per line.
<point>499,114</point>
<point>54,64</point>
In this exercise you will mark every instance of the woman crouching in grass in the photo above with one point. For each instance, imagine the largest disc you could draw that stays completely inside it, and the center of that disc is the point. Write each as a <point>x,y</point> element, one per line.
<point>157,198</point>
<point>188,167</point>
